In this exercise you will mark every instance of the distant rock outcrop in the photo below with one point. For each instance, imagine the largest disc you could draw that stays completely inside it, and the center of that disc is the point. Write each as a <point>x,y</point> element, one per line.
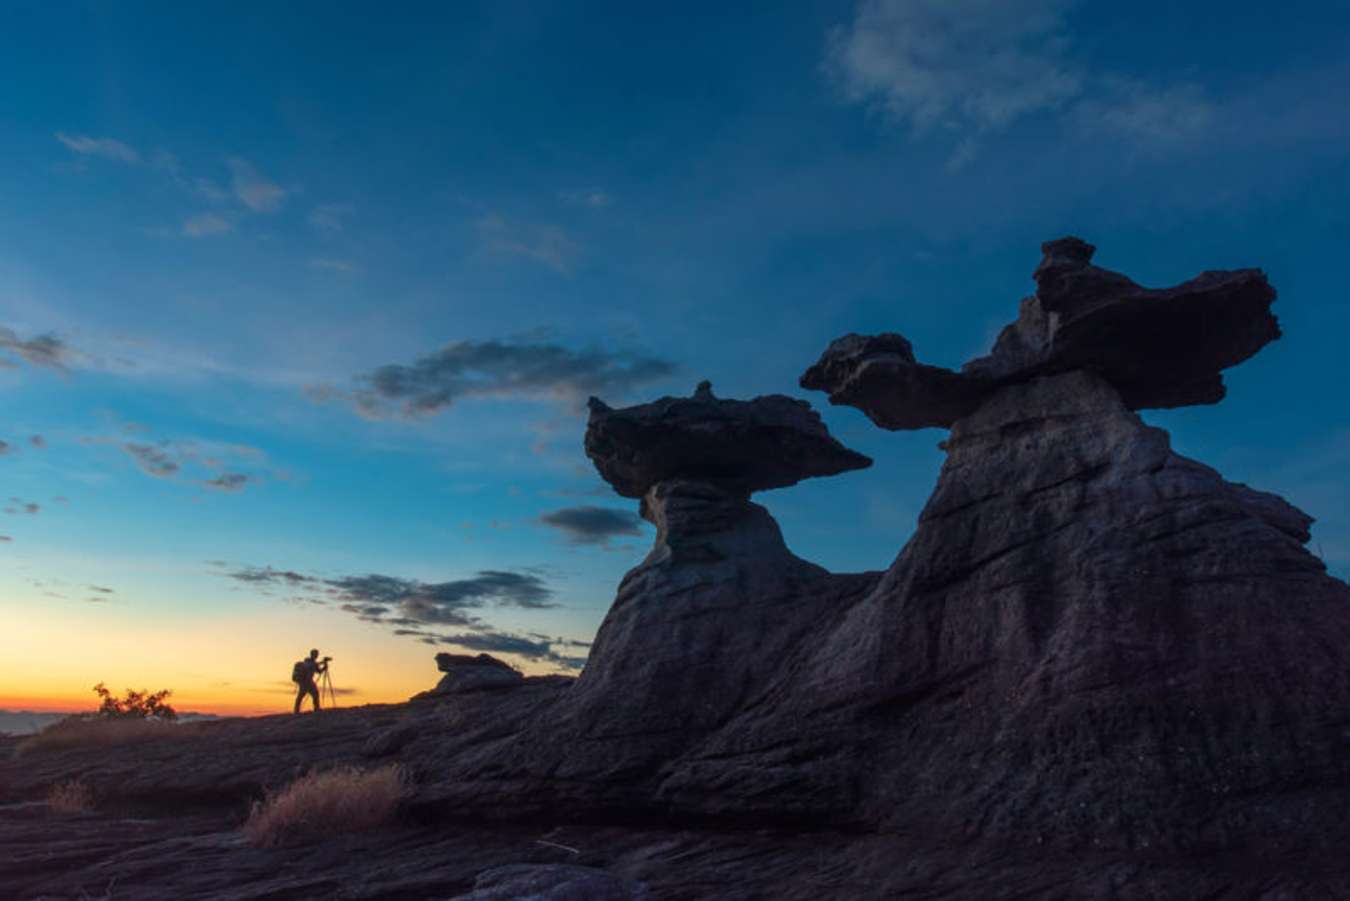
<point>466,672</point>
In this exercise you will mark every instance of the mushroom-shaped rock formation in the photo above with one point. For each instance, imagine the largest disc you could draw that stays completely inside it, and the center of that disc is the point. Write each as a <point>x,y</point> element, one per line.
<point>745,446</point>
<point>701,626</point>
<point>1157,348</point>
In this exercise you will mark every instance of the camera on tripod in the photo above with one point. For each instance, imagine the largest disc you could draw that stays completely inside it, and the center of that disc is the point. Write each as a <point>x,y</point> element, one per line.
<point>326,659</point>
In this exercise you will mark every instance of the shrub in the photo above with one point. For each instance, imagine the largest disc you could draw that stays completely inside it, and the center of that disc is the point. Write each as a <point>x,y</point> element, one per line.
<point>345,799</point>
<point>71,797</point>
<point>94,731</point>
<point>135,705</point>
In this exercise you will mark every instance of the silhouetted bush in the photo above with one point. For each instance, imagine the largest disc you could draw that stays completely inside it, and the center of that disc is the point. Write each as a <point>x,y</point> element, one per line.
<point>345,799</point>
<point>135,705</point>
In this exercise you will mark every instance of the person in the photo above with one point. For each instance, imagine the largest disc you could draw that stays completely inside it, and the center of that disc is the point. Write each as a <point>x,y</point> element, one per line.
<point>304,673</point>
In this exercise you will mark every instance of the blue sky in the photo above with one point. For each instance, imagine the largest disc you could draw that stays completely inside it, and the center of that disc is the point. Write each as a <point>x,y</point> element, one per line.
<point>329,286</point>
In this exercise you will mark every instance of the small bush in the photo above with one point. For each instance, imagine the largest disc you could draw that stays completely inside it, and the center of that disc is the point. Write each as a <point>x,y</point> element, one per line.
<point>134,705</point>
<point>94,731</point>
<point>345,799</point>
<point>71,797</point>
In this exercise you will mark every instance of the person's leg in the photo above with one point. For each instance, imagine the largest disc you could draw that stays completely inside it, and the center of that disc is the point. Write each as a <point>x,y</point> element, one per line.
<point>314,693</point>
<point>299,696</point>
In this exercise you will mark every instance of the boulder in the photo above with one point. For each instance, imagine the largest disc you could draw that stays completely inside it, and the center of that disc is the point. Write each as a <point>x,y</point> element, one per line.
<point>769,442</point>
<point>466,672</point>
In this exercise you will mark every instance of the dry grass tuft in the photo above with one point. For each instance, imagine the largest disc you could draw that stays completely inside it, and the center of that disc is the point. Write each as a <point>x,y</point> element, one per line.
<point>71,797</point>
<point>94,731</point>
<point>340,800</point>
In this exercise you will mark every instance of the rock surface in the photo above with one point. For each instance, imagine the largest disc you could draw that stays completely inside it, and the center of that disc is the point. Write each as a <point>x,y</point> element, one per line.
<point>1157,348</point>
<point>769,442</point>
<point>483,672</point>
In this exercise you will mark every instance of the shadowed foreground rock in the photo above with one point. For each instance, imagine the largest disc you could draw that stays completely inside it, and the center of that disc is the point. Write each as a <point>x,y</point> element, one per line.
<point>1096,670</point>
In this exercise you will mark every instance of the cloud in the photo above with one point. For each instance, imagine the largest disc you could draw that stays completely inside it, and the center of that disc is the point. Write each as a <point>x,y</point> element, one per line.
<point>588,197</point>
<point>6,448</point>
<point>266,575</point>
<point>498,369</point>
<point>45,350</point>
<point>37,441</point>
<point>973,67</point>
<point>211,464</point>
<point>5,538</point>
<point>228,481</point>
<point>205,225</point>
<point>104,147</point>
<point>415,609</point>
<point>544,244</point>
<point>154,461</point>
<point>330,217</point>
<point>335,265</point>
<point>1152,117</point>
<point>593,525</point>
<point>252,189</point>
<point>959,63</point>
<point>101,590</point>
<point>19,506</point>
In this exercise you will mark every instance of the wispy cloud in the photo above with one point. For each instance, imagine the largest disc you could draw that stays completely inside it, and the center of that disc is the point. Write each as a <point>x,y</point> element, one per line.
<point>252,189</point>
<point>211,464</point>
<point>972,67</point>
<point>37,441</point>
<point>17,506</point>
<point>333,265</point>
<point>107,148</point>
<point>465,369</point>
<point>6,448</point>
<point>587,197</point>
<point>228,481</point>
<point>593,525</point>
<point>330,217</point>
<point>47,350</point>
<point>547,245</point>
<point>206,224</point>
<point>153,461</point>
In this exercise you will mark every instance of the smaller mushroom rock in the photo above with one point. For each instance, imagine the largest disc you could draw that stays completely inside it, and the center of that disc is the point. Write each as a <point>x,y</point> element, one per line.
<point>747,446</point>
<point>879,375</point>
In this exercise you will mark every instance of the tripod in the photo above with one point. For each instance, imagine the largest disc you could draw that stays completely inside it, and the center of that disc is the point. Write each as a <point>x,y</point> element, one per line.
<point>326,691</point>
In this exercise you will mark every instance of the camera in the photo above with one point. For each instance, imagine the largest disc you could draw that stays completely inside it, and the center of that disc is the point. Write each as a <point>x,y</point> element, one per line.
<point>326,659</point>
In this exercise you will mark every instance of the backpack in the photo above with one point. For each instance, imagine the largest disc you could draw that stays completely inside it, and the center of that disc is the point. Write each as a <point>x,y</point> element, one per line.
<point>299,672</point>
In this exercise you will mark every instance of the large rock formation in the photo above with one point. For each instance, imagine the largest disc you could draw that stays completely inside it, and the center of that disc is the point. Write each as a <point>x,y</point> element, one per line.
<point>1089,637</point>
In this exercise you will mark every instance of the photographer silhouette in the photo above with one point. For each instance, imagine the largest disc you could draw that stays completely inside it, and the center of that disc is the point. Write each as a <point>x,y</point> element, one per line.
<point>303,675</point>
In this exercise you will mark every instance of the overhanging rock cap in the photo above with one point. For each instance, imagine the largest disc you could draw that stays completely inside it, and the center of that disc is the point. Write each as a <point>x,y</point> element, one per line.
<point>749,445</point>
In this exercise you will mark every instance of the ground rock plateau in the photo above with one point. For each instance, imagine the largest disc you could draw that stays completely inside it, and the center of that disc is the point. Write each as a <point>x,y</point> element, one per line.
<point>1096,670</point>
